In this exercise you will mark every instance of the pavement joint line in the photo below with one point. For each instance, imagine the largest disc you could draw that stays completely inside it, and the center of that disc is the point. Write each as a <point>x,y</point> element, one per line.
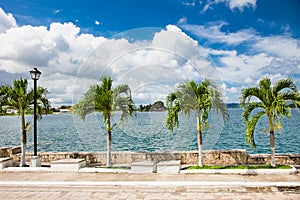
<point>150,183</point>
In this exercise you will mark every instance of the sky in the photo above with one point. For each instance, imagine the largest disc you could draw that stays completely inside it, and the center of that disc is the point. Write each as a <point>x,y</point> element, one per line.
<point>151,45</point>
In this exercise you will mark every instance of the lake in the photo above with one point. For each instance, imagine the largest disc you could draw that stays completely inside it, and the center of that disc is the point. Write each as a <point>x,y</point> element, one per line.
<point>147,132</point>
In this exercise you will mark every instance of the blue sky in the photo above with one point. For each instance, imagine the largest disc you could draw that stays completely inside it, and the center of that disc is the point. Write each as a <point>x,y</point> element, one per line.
<point>163,42</point>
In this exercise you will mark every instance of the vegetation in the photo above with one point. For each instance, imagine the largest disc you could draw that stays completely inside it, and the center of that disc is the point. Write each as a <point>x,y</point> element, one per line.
<point>17,97</point>
<point>103,98</point>
<point>65,107</point>
<point>157,106</point>
<point>239,167</point>
<point>273,102</point>
<point>192,97</point>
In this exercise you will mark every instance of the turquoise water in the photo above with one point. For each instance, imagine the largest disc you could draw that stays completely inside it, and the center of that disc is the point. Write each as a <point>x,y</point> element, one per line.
<point>147,132</point>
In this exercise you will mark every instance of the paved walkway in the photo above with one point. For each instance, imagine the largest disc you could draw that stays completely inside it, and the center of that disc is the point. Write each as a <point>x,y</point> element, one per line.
<point>50,185</point>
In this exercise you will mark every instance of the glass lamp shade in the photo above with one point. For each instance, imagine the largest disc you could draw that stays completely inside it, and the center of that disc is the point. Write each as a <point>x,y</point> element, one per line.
<point>35,74</point>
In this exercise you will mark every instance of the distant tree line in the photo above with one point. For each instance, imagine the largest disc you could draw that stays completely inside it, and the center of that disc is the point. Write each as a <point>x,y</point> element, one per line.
<point>157,106</point>
<point>61,107</point>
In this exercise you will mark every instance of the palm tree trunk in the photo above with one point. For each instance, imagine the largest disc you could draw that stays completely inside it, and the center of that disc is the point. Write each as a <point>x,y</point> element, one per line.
<point>108,128</point>
<point>272,140</point>
<point>24,141</point>
<point>200,161</point>
<point>272,144</point>
<point>108,162</point>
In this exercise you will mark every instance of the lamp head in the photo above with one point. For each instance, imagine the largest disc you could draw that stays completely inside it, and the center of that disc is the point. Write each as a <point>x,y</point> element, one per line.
<point>35,74</point>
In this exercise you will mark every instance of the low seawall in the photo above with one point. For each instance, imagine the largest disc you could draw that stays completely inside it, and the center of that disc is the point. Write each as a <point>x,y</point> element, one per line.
<point>9,151</point>
<point>210,157</point>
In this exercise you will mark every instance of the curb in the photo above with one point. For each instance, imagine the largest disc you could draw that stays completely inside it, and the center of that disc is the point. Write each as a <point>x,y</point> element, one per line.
<point>103,170</point>
<point>150,183</point>
<point>291,171</point>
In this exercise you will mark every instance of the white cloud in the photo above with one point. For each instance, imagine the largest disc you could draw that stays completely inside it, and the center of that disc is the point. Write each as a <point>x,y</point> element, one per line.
<point>255,55</point>
<point>241,4</point>
<point>7,21</point>
<point>232,90</point>
<point>243,68</point>
<point>213,32</point>
<point>160,63</point>
<point>56,11</point>
<point>71,61</point>
<point>97,22</point>
<point>189,3</point>
<point>232,4</point>
<point>182,20</point>
<point>222,52</point>
<point>36,46</point>
<point>249,80</point>
<point>281,46</point>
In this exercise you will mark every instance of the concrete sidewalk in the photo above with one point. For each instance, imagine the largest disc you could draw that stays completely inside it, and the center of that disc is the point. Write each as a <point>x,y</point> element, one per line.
<point>51,185</point>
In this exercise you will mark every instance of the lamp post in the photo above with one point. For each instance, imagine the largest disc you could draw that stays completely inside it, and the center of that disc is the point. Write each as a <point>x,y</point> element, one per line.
<point>35,75</point>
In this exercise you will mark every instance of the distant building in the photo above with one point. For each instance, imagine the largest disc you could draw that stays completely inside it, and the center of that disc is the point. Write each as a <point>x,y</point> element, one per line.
<point>11,111</point>
<point>64,110</point>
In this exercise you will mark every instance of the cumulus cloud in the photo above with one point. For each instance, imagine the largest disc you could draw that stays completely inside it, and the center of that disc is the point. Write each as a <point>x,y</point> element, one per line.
<point>7,21</point>
<point>36,46</point>
<point>157,64</point>
<point>71,61</point>
<point>57,51</point>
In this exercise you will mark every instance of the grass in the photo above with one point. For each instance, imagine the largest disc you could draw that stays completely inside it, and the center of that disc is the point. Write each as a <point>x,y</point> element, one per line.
<point>240,167</point>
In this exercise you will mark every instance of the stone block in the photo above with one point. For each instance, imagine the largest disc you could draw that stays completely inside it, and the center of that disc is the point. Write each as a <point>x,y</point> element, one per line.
<point>169,167</point>
<point>5,162</point>
<point>35,161</point>
<point>67,165</point>
<point>143,167</point>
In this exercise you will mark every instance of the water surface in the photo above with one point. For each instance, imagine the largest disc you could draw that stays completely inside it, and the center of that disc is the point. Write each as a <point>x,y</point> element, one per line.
<point>147,132</point>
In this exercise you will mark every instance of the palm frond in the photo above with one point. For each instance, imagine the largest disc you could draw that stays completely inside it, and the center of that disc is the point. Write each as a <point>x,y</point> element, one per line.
<point>274,101</point>
<point>173,108</point>
<point>87,103</point>
<point>282,84</point>
<point>122,101</point>
<point>250,126</point>
<point>105,99</point>
<point>248,93</point>
<point>189,97</point>
<point>248,108</point>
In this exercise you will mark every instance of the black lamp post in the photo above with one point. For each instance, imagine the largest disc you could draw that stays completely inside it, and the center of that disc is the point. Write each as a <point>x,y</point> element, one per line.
<point>35,75</point>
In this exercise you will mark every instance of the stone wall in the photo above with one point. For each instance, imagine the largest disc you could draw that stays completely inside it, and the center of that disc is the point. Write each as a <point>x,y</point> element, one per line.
<point>283,159</point>
<point>9,151</point>
<point>210,157</point>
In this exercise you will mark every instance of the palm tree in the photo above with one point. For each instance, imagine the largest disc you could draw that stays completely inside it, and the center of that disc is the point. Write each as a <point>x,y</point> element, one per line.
<point>273,102</point>
<point>103,98</point>
<point>192,97</point>
<point>17,97</point>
